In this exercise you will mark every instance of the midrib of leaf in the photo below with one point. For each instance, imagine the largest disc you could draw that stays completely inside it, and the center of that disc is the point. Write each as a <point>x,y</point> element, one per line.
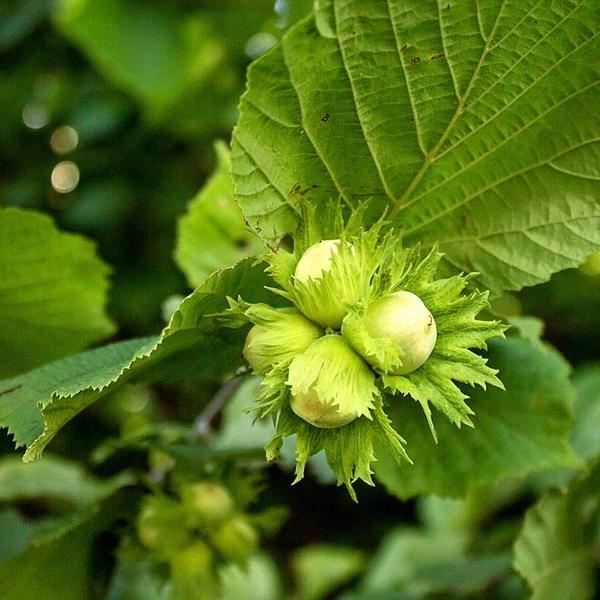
<point>401,202</point>
<point>406,200</point>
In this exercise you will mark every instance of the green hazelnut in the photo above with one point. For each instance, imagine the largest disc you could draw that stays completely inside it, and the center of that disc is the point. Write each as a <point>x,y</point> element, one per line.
<point>330,384</point>
<point>210,502</point>
<point>161,526</point>
<point>316,260</point>
<point>193,574</point>
<point>324,299</point>
<point>236,538</point>
<point>403,319</point>
<point>592,264</point>
<point>278,335</point>
<point>313,409</point>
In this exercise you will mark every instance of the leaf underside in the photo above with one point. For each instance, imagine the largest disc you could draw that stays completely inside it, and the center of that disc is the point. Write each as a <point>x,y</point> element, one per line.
<point>475,124</point>
<point>34,406</point>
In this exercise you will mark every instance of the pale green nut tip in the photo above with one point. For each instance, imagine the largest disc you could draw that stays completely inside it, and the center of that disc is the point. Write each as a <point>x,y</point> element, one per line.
<point>211,502</point>
<point>403,318</point>
<point>316,260</point>
<point>319,413</point>
<point>329,298</point>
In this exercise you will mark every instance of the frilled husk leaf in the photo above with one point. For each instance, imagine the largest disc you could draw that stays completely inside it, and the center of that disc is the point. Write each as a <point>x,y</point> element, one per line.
<point>377,351</point>
<point>349,449</point>
<point>373,264</point>
<point>339,376</point>
<point>284,333</point>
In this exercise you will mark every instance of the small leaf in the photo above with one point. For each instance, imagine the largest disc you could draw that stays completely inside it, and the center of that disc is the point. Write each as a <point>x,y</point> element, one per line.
<point>260,579</point>
<point>52,292</point>
<point>320,569</point>
<point>555,549</point>
<point>212,235</point>
<point>52,479</point>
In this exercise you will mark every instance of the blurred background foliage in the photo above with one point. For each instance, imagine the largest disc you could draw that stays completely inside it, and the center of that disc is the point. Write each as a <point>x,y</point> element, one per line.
<point>111,110</point>
<point>133,93</point>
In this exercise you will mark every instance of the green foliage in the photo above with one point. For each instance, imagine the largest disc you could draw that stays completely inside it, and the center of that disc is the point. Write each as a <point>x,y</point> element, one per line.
<point>554,551</point>
<point>487,147</point>
<point>586,414</point>
<point>176,63</point>
<point>36,405</point>
<point>212,235</point>
<point>320,569</point>
<point>260,575</point>
<point>54,479</point>
<point>37,567</point>
<point>516,432</point>
<point>383,147</point>
<point>53,291</point>
<point>436,558</point>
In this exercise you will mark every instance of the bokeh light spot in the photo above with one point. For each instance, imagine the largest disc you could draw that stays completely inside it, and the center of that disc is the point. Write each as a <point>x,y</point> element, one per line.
<point>65,177</point>
<point>259,43</point>
<point>35,115</point>
<point>64,139</point>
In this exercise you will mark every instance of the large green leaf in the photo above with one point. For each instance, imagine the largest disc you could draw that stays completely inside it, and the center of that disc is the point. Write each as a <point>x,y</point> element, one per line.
<point>34,406</point>
<point>212,235</point>
<point>56,562</point>
<point>474,123</point>
<point>555,551</point>
<point>52,292</point>
<point>516,432</point>
<point>414,564</point>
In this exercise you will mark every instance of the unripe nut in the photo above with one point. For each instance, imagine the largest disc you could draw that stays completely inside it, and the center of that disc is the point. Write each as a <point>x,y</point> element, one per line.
<point>330,384</point>
<point>161,526</point>
<point>316,260</point>
<point>211,502</point>
<point>312,409</point>
<point>236,538</point>
<point>286,333</point>
<point>194,560</point>
<point>327,304</point>
<point>403,318</point>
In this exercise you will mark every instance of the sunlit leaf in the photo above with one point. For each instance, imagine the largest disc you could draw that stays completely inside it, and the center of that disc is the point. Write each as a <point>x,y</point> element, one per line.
<point>53,291</point>
<point>212,235</point>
